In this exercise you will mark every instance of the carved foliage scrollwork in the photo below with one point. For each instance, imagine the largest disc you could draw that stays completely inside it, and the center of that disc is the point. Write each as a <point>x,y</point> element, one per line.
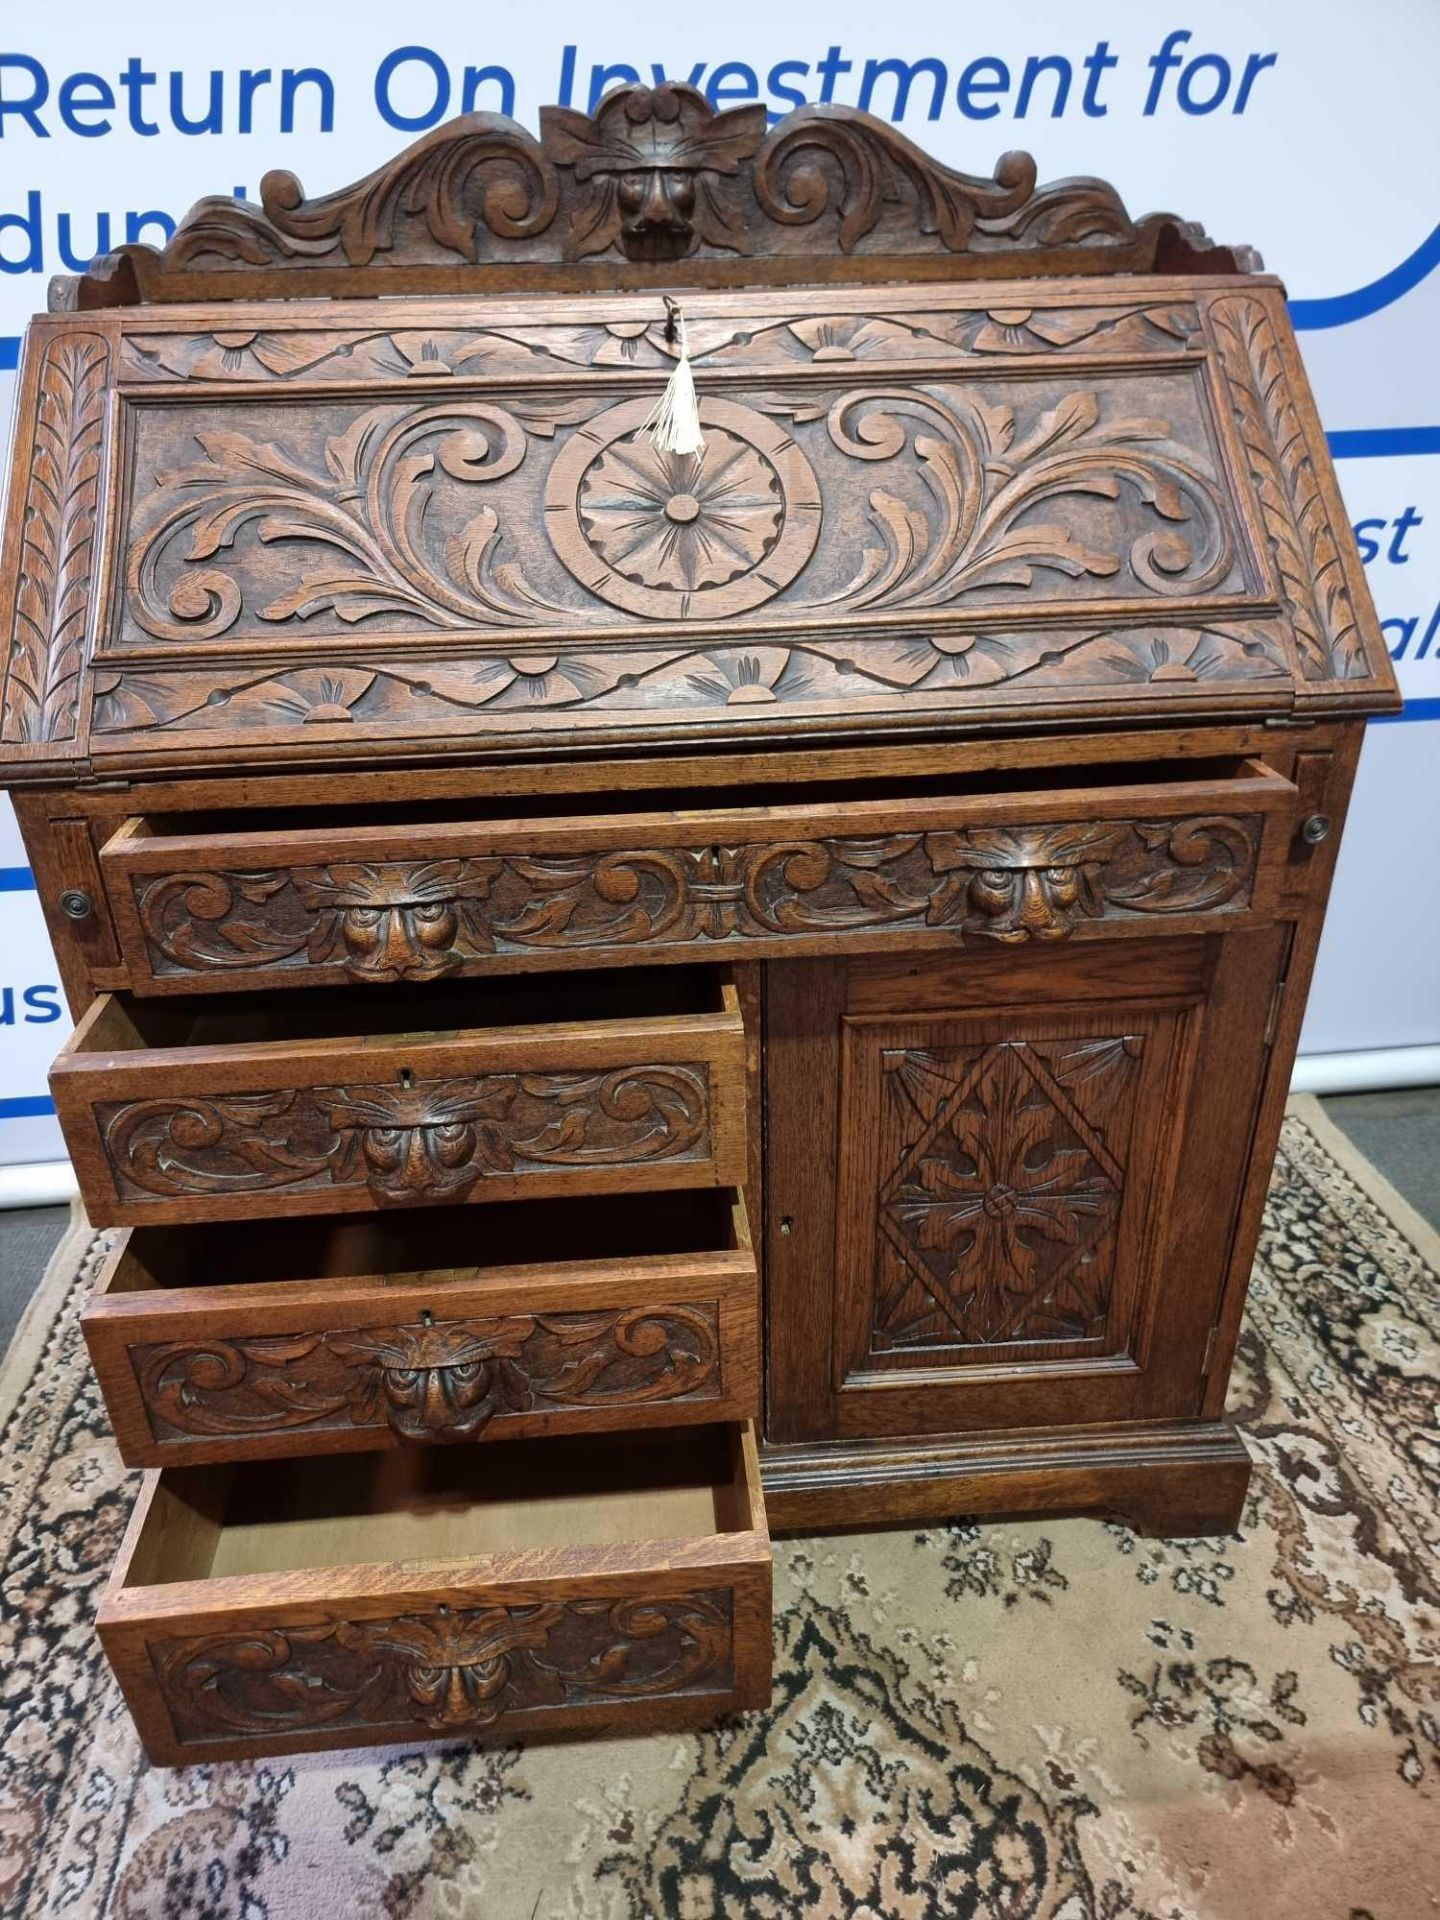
<point>465,182</point>
<point>989,475</point>
<point>653,175</point>
<point>428,1141</point>
<point>1008,884</point>
<point>57,541</point>
<point>676,538</point>
<point>364,515</point>
<point>448,1670</point>
<point>432,1380</point>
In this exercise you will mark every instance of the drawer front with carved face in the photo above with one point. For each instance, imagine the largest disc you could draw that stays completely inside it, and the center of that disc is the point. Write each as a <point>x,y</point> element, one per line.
<point>568,1587</point>
<point>1173,851</point>
<point>260,1107</point>
<point>334,1335</point>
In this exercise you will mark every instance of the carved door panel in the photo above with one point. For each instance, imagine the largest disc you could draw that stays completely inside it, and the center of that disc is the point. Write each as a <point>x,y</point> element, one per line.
<point>1010,1210</point>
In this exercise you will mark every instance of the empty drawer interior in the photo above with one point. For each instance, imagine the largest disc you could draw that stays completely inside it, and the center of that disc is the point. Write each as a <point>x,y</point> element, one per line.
<point>680,802</point>
<point>440,1504</point>
<point>125,1025</point>
<point>440,1244</point>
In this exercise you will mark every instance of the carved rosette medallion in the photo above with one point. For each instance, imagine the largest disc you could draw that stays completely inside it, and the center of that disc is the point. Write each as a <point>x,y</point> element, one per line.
<point>684,536</point>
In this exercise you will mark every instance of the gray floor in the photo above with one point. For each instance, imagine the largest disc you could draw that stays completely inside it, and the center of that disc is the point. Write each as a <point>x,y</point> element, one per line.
<point>1398,1132</point>
<point>28,1236</point>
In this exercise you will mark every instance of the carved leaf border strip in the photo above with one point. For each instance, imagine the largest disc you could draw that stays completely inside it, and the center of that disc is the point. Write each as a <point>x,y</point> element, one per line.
<point>245,356</point>
<point>727,681</point>
<point>57,551</point>
<point>1292,503</point>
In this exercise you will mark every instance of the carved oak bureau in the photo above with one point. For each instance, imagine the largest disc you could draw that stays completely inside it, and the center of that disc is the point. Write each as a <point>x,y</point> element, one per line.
<point>619,990</point>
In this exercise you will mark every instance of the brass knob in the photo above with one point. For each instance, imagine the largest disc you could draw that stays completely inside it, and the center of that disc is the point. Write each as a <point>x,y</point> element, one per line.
<point>1316,828</point>
<point>75,904</point>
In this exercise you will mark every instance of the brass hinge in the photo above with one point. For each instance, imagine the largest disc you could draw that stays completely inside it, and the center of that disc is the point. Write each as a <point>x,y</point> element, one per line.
<point>1272,1019</point>
<point>1209,1360</point>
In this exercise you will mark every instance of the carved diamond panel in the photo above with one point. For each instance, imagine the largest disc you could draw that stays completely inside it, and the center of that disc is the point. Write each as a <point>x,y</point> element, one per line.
<point>996,1220</point>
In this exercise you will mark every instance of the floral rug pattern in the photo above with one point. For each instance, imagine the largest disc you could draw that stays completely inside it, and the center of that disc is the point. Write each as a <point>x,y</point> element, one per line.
<point>1043,1721</point>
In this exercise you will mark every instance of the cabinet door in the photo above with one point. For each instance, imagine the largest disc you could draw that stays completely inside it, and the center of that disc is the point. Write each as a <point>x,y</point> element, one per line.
<point>1002,1186</point>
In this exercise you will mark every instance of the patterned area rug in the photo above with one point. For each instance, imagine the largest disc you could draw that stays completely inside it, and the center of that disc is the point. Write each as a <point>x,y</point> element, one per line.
<point>1048,1721</point>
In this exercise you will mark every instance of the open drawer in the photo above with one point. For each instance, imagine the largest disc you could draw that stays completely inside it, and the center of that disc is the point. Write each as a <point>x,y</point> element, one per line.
<point>243,1342</point>
<point>287,1103</point>
<point>389,894</point>
<point>553,1585</point>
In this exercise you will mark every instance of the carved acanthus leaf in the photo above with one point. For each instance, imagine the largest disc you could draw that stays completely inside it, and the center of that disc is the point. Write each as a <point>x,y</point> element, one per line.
<point>57,542</point>
<point>1292,501</point>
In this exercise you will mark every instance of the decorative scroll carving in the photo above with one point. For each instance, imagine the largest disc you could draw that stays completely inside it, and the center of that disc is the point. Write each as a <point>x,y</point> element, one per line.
<point>1008,884</point>
<point>715,679</point>
<point>393,920</point>
<point>364,513</point>
<point>449,1671</point>
<point>831,161</point>
<point>654,176</point>
<point>996,1218</point>
<point>472,181</point>
<point>381,532</point>
<point>251,356</point>
<point>989,474</point>
<point>1307,553</point>
<point>440,1380</point>
<point>429,1141</point>
<point>57,542</point>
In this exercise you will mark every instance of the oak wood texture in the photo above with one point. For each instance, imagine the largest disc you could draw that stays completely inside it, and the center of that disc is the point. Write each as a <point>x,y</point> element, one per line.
<point>411,900</point>
<point>1004,1213</point>
<point>281,1105</point>
<point>336,1335</point>
<point>1169,1478</point>
<point>655,177</point>
<point>572,1586</point>
<point>937,511</point>
<point>967,694</point>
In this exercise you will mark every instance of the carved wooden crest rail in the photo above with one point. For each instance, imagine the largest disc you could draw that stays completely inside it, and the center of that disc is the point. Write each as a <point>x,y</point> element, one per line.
<point>655,177</point>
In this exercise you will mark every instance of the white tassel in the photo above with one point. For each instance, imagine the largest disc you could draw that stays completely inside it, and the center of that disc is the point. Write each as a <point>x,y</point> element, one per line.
<point>673,424</point>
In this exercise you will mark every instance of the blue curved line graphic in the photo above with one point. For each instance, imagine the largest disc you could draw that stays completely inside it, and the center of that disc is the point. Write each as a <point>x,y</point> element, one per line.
<point>1341,308</point>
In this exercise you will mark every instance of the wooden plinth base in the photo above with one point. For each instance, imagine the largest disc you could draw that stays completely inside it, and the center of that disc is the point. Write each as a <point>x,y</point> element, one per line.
<point>1173,1479</point>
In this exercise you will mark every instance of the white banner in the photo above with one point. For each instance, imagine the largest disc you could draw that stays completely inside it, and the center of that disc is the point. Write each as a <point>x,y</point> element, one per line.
<point>1297,128</point>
